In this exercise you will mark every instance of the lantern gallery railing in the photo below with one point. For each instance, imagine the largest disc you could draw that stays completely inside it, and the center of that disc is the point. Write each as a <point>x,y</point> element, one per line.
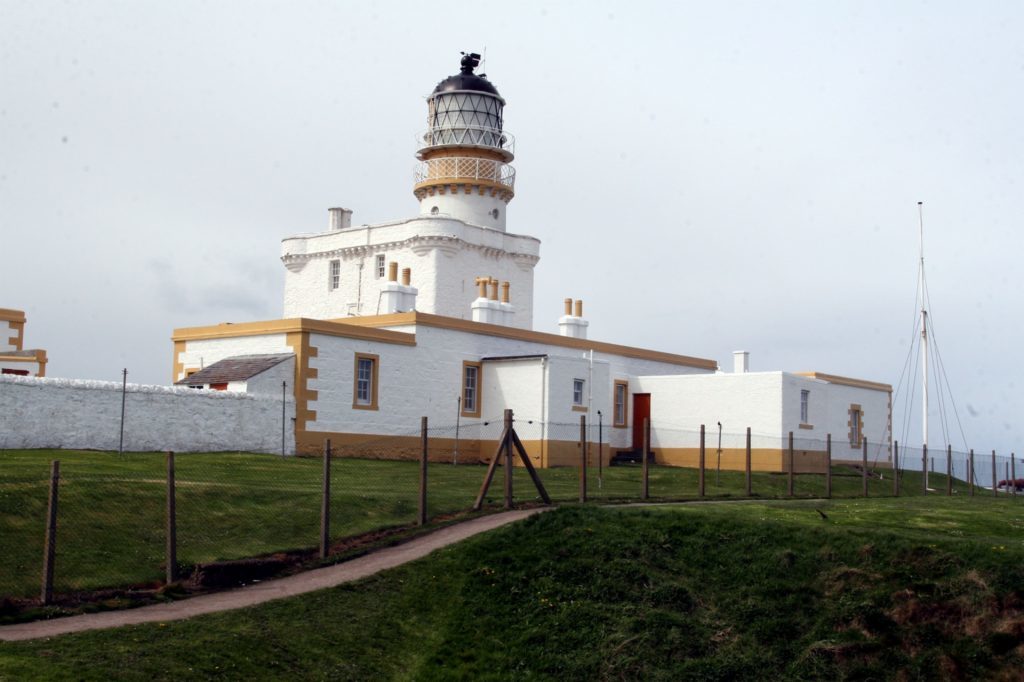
<point>467,135</point>
<point>461,168</point>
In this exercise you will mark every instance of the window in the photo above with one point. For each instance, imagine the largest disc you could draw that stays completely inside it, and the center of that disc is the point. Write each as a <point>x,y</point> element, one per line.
<point>364,388</point>
<point>15,372</point>
<point>577,395</point>
<point>856,425</point>
<point>619,404</point>
<point>805,399</point>
<point>219,387</point>
<point>334,281</point>
<point>471,389</point>
<point>380,266</point>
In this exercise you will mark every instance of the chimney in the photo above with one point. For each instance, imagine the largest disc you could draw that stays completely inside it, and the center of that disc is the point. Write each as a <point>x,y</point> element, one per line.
<point>740,361</point>
<point>409,292</point>
<point>406,276</point>
<point>487,308</point>
<point>573,325</point>
<point>340,218</point>
<point>392,271</point>
<point>508,311</point>
<point>395,297</point>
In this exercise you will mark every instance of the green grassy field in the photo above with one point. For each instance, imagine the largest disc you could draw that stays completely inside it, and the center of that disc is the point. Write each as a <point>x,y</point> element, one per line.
<point>230,506</point>
<point>910,588</point>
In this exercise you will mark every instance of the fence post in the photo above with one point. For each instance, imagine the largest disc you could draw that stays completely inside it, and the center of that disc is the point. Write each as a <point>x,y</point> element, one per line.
<point>970,474</point>
<point>508,459</point>
<point>1013,474</point>
<point>789,467</point>
<point>124,391</point>
<point>896,468</point>
<point>949,470</point>
<point>50,548</point>
<point>828,465</point>
<point>995,491</point>
<point>864,466</point>
<point>644,484</point>
<point>424,451</point>
<point>172,522</point>
<point>284,412</point>
<point>325,504</point>
<point>924,468</point>
<point>583,458</point>
<point>700,465</point>
<point>748,463</point>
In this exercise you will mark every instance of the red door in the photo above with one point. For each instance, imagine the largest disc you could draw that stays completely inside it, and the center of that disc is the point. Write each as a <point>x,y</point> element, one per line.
<point>641,411</point>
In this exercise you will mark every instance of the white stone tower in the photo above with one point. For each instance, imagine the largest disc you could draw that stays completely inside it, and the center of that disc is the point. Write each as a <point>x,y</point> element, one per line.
<point>464,171</point>
<point>458,240</point>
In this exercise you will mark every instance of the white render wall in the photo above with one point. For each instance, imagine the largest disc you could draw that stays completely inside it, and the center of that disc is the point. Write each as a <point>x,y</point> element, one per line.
<point>204,352</point>
<point>829,408</point>
<point>445,256</point>
<point>72,414</point>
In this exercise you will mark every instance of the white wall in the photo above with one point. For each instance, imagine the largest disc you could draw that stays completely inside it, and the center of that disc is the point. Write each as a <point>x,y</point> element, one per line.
<point>205,352</point>
<point>269,381</point>
<point>445,256</point>
<point>65,413</point>
<point>829,409</point>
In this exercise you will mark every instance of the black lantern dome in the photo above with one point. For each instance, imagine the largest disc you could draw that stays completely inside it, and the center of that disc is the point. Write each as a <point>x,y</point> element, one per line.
<point>465,79</point>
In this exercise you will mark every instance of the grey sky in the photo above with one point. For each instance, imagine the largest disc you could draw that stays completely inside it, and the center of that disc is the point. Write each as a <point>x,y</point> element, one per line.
<point>706,176</point>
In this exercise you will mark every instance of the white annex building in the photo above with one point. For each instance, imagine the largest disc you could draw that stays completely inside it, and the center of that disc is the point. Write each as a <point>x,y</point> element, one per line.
<point>383,324</point>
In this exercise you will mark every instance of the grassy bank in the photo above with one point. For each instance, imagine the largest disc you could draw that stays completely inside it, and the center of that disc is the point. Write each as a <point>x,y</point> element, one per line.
<point>230,506</point>
<point>883,589</point>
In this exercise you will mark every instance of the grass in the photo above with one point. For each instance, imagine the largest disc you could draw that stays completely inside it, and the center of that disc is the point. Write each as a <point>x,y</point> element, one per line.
<point>231,506</point>
<point>908,588</point>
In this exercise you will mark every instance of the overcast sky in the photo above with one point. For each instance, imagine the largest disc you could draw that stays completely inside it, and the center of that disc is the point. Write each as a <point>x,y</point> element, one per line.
<point>706,176</point>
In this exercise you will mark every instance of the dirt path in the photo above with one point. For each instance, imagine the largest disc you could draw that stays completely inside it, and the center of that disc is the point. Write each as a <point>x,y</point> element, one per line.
<point>259,593</point>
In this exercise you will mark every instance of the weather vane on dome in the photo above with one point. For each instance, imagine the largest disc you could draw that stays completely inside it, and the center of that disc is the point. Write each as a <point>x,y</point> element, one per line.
<point>470,61</point>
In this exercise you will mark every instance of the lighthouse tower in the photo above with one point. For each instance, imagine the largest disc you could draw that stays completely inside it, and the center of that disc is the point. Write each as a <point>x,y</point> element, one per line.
<point>463,171</point>
<point>456,257</point>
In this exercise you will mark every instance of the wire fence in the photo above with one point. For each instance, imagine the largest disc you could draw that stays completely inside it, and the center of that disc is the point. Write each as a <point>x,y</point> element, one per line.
<point>141,521</point>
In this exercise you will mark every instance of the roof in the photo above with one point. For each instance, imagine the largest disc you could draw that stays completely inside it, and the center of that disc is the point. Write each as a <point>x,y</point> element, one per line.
<point>466,79</point>
<point>20,353</point>
<point>237,368</point>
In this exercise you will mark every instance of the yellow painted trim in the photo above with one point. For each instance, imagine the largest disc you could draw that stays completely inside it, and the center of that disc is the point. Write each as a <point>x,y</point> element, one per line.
<point>579,408</point>
<point>855,442</point>
<point>624,422</point>
<point>456,151</point>
<point>847,381</point>
<point>442,322</point>
<point>356,405</point>
<point>299,343</point>
<point>479,387</point>
<point>807,427</point>
<point>37,358</point>
<point>177,366</point>
<point>443,184</point>
<point>12,315</point>
<point>294,325</point>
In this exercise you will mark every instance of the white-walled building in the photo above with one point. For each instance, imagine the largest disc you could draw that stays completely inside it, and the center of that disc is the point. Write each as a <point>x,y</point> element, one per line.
<point>433,315</point>
<point>14,357</point>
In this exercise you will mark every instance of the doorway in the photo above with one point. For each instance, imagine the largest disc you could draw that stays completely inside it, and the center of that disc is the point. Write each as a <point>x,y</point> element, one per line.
<point>641,411</point>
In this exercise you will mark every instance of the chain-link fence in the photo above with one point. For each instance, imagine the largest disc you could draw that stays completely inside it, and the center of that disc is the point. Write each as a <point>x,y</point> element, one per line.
<point>141,520</point>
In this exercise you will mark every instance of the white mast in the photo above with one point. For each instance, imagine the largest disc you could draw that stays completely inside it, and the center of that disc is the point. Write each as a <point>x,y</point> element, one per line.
<point>924,343</point>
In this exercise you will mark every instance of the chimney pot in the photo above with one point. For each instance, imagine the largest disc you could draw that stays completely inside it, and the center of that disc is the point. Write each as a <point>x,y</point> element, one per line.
<point>579,308</point>
<point>406,276</point>
<point>392,271</point>
<point>568,306</point>
<point>505,286</point>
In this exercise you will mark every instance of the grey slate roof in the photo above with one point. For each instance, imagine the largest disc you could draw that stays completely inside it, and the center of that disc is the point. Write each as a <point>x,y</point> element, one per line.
<point>237,368</point>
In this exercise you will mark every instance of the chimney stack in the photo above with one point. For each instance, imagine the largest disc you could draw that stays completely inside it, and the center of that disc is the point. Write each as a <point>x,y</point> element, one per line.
<point>395,297</point>
<point>740,361</point>
<point>340,218</point>
<point>573,325</point>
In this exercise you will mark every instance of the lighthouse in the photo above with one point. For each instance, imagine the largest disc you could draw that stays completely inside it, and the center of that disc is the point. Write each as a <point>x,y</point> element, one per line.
<point>458,240</point>
<point>464,170</point>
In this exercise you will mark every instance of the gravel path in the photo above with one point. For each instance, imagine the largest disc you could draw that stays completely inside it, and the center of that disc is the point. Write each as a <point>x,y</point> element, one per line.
<point>269,590</point>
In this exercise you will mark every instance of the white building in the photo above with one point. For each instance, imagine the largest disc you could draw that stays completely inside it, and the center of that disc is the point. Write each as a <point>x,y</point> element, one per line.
<point>14,358</point>
<point>434,314</point>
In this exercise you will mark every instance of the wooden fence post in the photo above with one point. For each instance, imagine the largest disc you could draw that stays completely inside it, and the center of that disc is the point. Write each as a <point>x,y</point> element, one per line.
<point>508,459</point>
<point>995,491</point>
<point>700,465</point>
<point>583,458</point>
<point>864,466</point>
<point>896,468</point>
<point>50,548</point>
<point>828,465</point>
<point>325,504</point>
<point>970,473</point>
<point>172,522</point>
<point>749,492</point>
<point>1013,473</point>
<point>424,455</point>
<point>644,455</point>
<point>924,469</point>
<point>949,471</point>
<point>789,467</point>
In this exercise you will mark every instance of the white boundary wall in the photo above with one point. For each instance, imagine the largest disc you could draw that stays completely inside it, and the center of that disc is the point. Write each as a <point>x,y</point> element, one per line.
<point>71,413</point>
